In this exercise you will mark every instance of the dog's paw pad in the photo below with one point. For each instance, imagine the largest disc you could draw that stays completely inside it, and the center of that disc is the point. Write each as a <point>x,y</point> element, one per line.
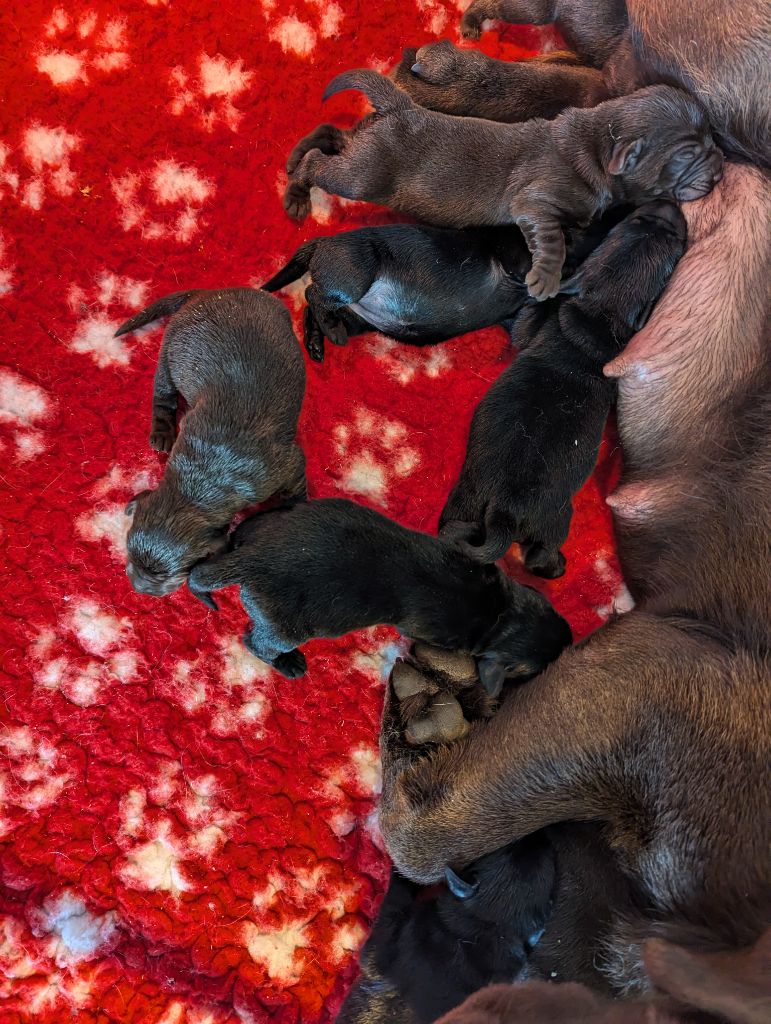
<point>542,284</point>
<point>162,439</point>
<point>292,664</point>
<point>297,203</point>
<point>407,681</point>
<point>441,722</point>
<point>470,26</point>
<point>457,666</point>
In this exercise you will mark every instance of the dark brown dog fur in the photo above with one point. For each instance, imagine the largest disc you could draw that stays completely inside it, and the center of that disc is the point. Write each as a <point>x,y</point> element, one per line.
<point>461,172</point>
<point>232,356</point>
<point>660,723</point>
<point>467,83</point>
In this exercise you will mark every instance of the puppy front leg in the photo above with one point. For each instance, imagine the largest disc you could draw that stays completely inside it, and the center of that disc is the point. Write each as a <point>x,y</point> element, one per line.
<point>163,428</point>
<point>515,12</point>
<point>265,642</point>
<point>546,243</point>
<point>553,752</point>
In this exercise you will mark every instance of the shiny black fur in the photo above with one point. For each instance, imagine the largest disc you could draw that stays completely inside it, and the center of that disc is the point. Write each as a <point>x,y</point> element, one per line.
<point>327,567</point>
<point>418,284</point>
<point>535,435</point>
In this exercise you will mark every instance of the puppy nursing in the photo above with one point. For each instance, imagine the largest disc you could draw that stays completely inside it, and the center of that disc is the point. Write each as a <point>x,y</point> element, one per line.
<point>233,358</point>
<point>539,175</point>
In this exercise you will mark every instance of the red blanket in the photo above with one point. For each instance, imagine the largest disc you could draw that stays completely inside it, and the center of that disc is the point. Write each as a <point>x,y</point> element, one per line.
<point>184,835</point>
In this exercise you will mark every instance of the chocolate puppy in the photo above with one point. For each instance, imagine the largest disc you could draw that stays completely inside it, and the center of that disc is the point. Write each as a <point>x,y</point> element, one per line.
<point>417,284</point>
<point>328,567</point>
<point>233,357</point>
<point>461,171</point>
<point>430,954</point>
<point>468,83</point>
<point>535,435</point>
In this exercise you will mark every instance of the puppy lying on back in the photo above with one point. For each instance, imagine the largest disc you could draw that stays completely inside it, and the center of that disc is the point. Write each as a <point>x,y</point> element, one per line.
<point>426,955</point>
<point>414,283</point>
<point>233,357</point>
<point>328,567</point>
<point>460,171</point>
<point>468,83</point>
<point>535,435</point>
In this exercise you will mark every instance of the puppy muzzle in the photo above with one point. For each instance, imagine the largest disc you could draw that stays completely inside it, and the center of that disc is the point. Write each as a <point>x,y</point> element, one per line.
<point>152,588</point>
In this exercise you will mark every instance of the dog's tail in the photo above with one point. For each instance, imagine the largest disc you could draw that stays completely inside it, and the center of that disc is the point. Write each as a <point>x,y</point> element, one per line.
<point>499,536</point>
<point>384,96</point>
<point>295,268</point>
<point>161,307</point>
<point>215,573</point>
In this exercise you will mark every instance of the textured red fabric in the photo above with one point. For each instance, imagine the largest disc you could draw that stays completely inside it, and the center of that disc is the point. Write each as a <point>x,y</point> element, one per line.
<point>184,835</point>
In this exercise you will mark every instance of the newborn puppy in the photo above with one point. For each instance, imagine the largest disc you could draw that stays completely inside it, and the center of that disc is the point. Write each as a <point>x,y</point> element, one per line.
<point>468,83</point>
<point>416,284</point>
<point>232,355</point>
<point>461,171</point>
<point>433,953</point>
<point>328,567</point>
<point>535,435</point>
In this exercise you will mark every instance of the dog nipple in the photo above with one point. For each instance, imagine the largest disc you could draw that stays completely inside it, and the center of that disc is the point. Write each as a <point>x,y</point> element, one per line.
<point>638,501</point>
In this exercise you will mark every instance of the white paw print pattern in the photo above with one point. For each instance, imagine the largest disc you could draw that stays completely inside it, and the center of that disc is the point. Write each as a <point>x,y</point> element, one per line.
<point>35,778</point>
<point>73,933</point>
<point>298,36</point>
<point>57,655</point>
<point>24,407</point>
<point>163,202</point>
<point>95,328</point>
<point>374,450</point>
<point>6,268</point>
<point>435,15</point>
<point>76,48</point>
<point>209,90</point>
<point>43,165</point>
<point>405,362</point>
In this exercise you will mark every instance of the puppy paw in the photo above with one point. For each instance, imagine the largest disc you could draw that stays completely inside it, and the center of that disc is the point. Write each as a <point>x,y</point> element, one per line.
<point>471,25</point>
<point>434,63</point>
<point>297,202</point>
<point>457,667</point>
<point>162,436</point>
<point>543,284</point>
<point>441,722</point>
<point>292,664</point>
<point>336,332</point>
<point>546,562</point>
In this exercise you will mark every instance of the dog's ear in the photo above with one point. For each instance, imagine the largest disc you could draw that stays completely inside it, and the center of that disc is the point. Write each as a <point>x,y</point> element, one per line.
<point>625,157</point>
<point>492,674</point>
<point>132,505</point>
<point>459,886</point>
<point>641,319</point>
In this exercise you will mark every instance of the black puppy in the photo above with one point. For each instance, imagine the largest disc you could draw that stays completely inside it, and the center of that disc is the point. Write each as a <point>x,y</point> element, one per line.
<point>540,175</point>
<point>233,357</point>
<point>468,83</point>
<point>328,567</point>
<point>425,956</point>
<point>417,284</point>
<point>535,435</point>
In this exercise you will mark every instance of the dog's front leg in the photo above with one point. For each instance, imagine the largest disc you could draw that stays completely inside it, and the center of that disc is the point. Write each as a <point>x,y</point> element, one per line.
<point>553,752</point>
<point>546,242</point>
<point>515,12</point>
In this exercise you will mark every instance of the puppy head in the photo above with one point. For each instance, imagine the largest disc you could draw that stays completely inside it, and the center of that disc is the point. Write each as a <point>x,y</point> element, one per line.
<point>625,275</point>
<point>442,63</point>
<point>166,539</point>
<point>510,889</point>
<point>661,145</point>
<point>527,636</point>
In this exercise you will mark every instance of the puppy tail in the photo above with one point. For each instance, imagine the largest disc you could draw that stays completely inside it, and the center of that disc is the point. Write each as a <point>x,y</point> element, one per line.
<point>499,536</point>
<point>384,96</point>
<point>214,574</point>
<point>295,268</point>
<point>161,307</point>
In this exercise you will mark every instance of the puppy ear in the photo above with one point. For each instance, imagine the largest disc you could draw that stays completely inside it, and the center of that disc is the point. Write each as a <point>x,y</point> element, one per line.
<point>625,157</point>
<point>641,319</point>
<point>491,675</point>
<point>459,886</point>
<point>132,505</point>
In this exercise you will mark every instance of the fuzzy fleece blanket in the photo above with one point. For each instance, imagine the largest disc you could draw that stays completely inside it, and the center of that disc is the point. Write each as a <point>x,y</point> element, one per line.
<point>184,835</point>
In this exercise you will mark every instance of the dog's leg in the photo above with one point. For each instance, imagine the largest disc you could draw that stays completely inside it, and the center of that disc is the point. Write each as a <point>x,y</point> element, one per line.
<point>295,487</point>
<point>163,428</point>
<point>265,643</point>
<point>516,12</point>
<point>325,313</point>
<point>554,751</point>
<point>329,139</point>
<point>313,336</point>
<point>546,242</point>
<point>330,173</point>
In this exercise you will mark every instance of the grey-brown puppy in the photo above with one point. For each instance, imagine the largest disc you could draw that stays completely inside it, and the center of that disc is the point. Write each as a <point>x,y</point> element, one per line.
<point>232,356</point>
<point>468,83</point>
<point>462,171</point>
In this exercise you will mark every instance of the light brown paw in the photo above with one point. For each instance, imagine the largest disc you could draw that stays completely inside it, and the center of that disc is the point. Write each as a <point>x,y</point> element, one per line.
<point>408,681</point>
<point>457,666</point>
<point>543,284</point>
<point>297,202</point>
<point>441,722</point>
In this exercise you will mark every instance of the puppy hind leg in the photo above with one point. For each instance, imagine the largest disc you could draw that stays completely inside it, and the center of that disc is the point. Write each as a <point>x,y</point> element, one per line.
<point>163,428</point>
<point>515,12</point>
<point>313,336</point>
<point>542,556</point>
<point>329,139</point>
<point>265,643</point>
<point>325,313</point>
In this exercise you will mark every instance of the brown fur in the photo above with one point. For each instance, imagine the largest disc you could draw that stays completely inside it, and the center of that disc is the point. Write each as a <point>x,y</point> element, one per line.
<point>660,723</point>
